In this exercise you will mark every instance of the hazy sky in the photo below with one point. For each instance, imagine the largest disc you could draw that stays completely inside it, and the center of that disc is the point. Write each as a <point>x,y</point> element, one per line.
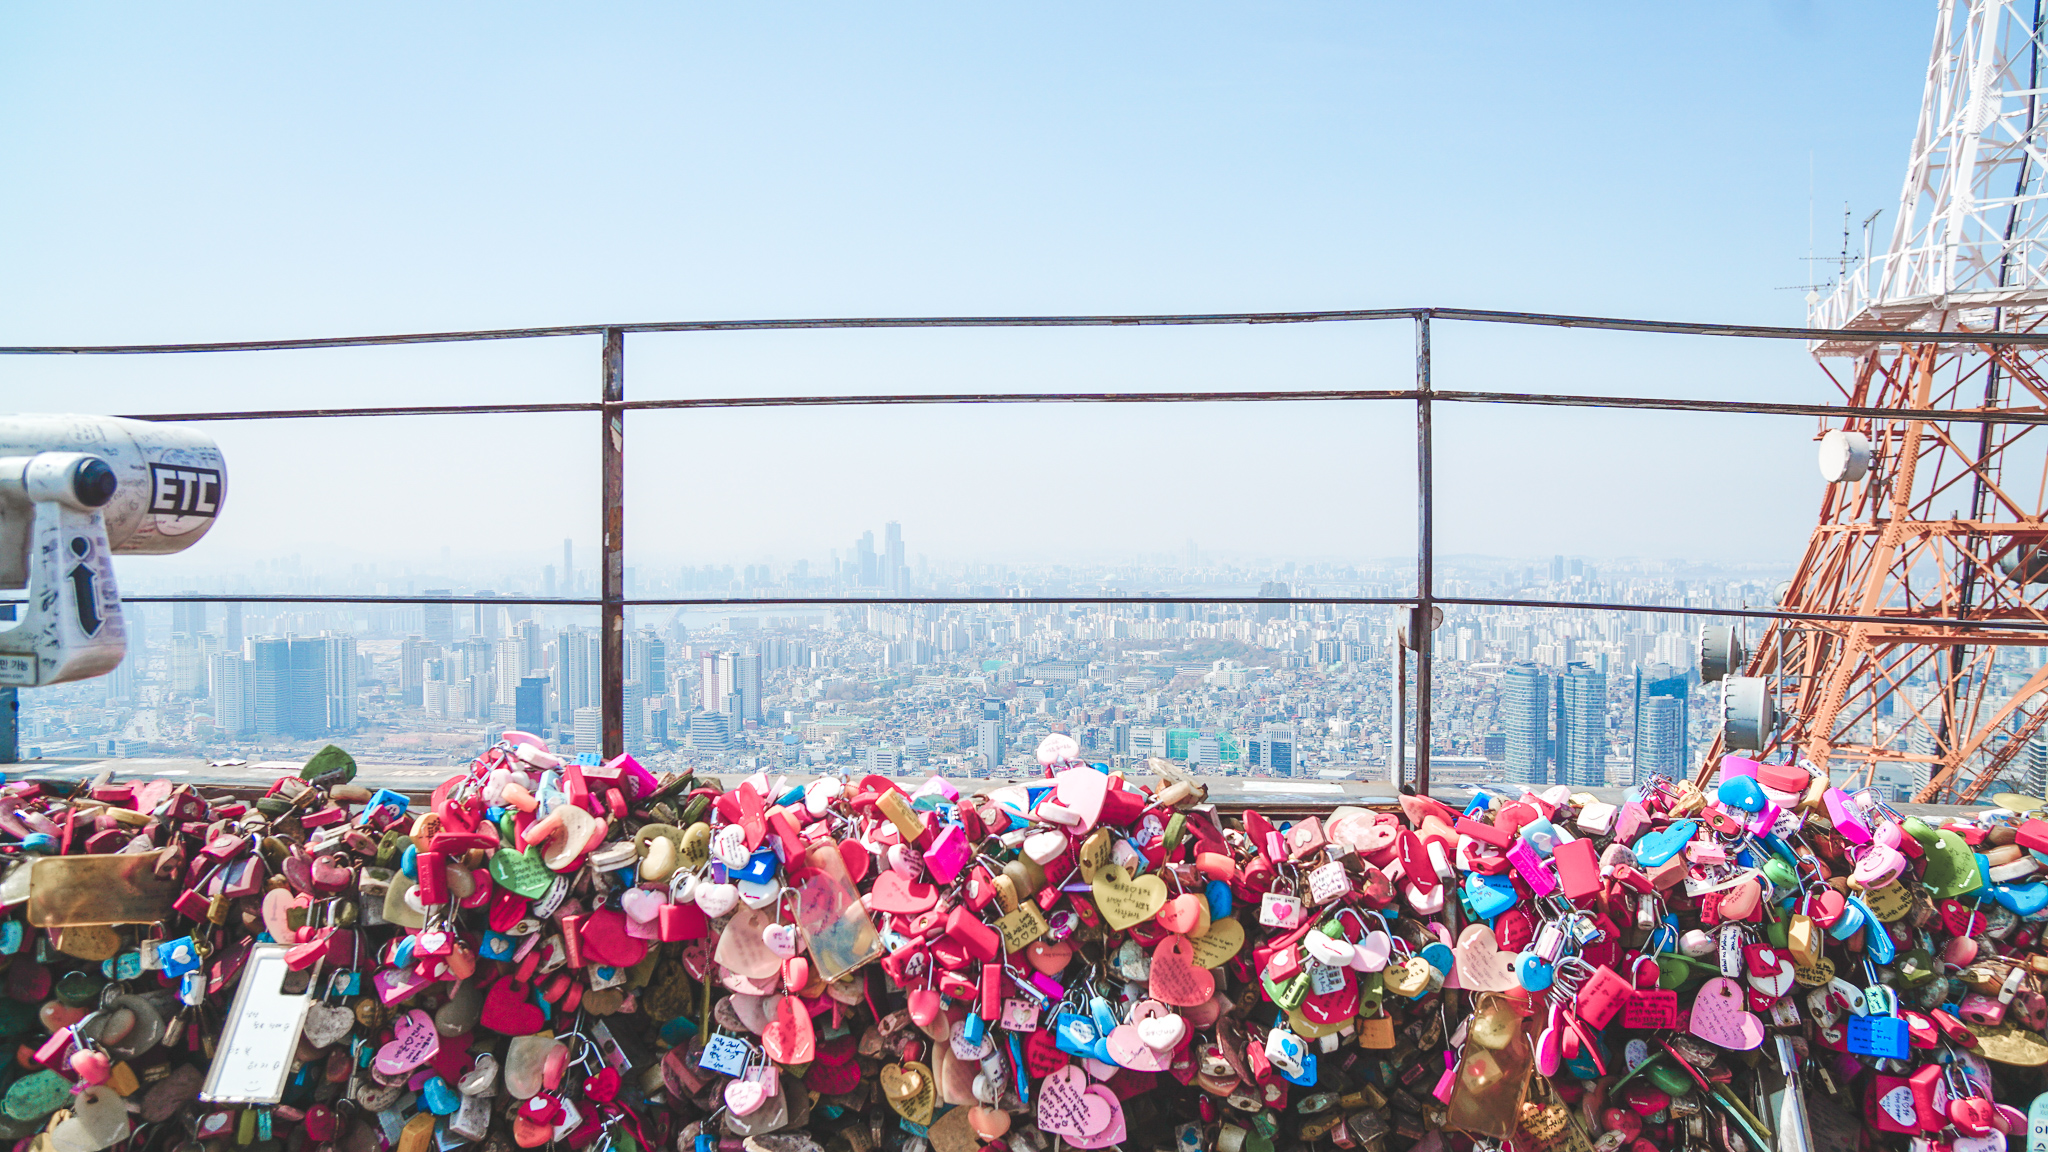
<point>220,172</point>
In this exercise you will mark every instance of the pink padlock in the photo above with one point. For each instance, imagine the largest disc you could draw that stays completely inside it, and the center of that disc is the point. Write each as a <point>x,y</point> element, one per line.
<point>1879,866</point>
<point>948,854</point>
<point>1847,819</point>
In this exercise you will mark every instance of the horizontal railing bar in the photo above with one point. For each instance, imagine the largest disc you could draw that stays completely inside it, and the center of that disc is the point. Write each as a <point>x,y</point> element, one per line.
<point>1652,403</point>
<point>800,601</point>
<point>1473,315</point>
<point>750,602</point>
<point>315,598</point>
<point>792,601</point>
<point>1745,613</point>
<point>395,410</point>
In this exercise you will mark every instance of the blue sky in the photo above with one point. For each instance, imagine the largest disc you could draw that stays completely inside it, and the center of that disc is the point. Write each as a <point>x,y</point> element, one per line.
<point>244,171</point>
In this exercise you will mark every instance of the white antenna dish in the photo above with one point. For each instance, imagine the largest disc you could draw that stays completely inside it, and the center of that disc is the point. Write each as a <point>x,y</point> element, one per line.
<point>1721,653</point>
<point>1844,455</point>
<point>1748,713</point>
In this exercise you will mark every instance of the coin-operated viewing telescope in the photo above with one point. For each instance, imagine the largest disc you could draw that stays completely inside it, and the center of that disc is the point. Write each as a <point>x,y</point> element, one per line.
<point>75,490</point>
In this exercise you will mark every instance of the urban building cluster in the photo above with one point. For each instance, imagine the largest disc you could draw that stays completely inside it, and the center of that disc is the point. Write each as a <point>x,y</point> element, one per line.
<point>1521,695</point>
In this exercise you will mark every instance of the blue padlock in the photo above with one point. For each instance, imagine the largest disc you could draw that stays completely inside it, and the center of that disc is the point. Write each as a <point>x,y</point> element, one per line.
<point>759,869</point>
<point>1743,792</point>
<point>1489,896</point>
<point>1220,901</point>
<point>974,1028</point>
<point>1535,973</point>
<point>177,957</point>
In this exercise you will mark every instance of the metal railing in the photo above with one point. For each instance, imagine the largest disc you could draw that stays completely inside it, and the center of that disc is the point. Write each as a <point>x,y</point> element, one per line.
<point>612,405</point>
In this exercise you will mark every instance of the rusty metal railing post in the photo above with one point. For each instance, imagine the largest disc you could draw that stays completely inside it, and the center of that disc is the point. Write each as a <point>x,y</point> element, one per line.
<point>612,546</point>
<point>1422,629</point>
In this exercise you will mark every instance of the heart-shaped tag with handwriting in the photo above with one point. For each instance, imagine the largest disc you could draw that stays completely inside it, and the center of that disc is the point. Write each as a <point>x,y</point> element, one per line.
<point>1481,966</point>
<point>521,872</point>
<point>1070,1105</point>
<point>1720,1015</point>
<point>910,1090</point>
<point>1042,1054</point>
<point>789,1038</point>
<point>415,1041</point>
<point>1176,978</point>
<point>1125,901</point>
<point>1223,940</point>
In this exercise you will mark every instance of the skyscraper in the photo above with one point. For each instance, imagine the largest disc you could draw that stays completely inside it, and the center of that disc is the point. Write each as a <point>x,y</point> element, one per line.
<point>869,572</point>
<point>286,676</point>
<point>437,621</point>
<point>338,679</point>
<point>234,712</point>
<point>746,682</point>
<point>568,567</point>
<point>530,702</point>
<point>989,740</point>
<point>1662,724</point>
<point>576,671</point>
<point>1525,721</point>
<point>1275,589</point>
<point>712,677</point>
<point>633,715</point>
<point>188,618</point>
<point>1582,727</point>
<point>511,667</point>
<point>231,627</point>
<point>412,652</point>
<point>894,574</point>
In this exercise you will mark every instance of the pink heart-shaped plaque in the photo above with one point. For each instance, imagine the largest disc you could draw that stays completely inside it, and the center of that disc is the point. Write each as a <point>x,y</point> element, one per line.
<point>1068,1105</point>
<point>1481,965</point>
<point>415,1041</point>
<point>1081,791</point>
<point>1720,1015</point>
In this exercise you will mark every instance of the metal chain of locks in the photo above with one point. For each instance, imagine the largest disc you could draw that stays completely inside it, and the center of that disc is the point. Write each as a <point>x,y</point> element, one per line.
<point>562,954</point>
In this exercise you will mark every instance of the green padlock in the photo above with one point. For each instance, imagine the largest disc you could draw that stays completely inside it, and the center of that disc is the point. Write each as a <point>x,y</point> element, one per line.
<point>1288,994</point>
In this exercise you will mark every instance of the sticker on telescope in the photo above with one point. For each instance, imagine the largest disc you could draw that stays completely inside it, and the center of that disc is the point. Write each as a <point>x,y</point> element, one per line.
<point>184,493</point>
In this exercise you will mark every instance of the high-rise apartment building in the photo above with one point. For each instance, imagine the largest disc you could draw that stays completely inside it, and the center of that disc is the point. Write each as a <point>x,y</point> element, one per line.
<point>1274,590</point>
<point>511,667</point>
<point>338,680</point>
<point>633,716</point>
<point>746,684</point>
<point>437,621</point>
<point>1525,722</point>
<point>895,574</point>
<point>576,671</point>
<point>589,730</point>
<point>189,653</point>
<point>1582,727</point>
<point>713,678</point>
<point>1662,724</point>
<point>286,675</point>
<point>529,711</point>
<point>188,618</point>
<point>234,708</point>
<point>413,652</point>
<point>231,627</point>
<point>989,739</point>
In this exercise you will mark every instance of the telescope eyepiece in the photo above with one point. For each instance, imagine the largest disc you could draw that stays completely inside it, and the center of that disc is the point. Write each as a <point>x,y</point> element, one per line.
<point>93,482</point>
